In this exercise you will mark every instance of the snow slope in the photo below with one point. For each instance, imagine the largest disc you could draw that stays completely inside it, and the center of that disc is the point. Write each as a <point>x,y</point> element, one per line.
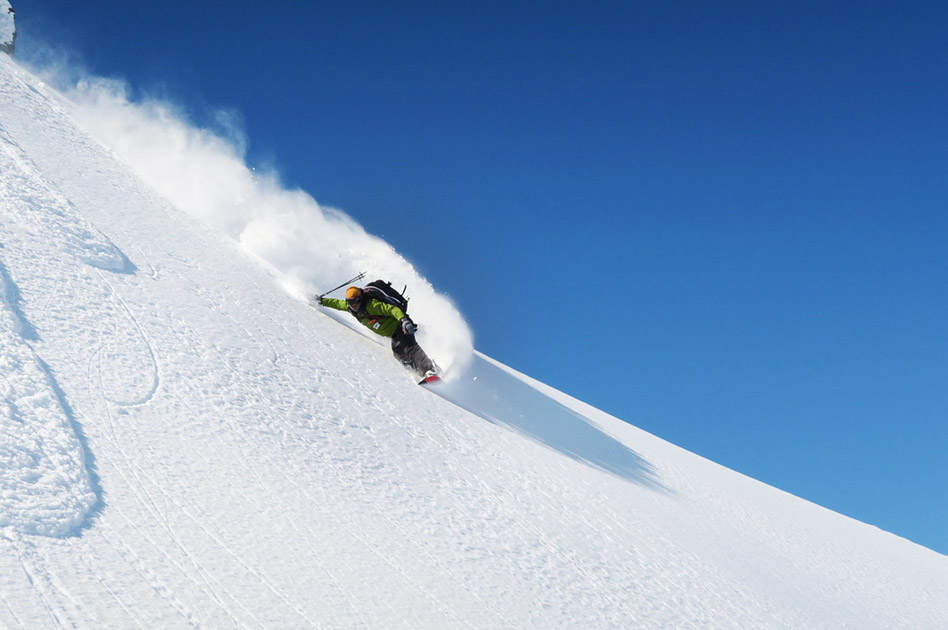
<point>186,444</point>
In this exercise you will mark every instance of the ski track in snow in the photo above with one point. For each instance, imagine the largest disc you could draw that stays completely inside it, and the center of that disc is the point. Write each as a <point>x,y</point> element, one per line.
<point>125,365</point>
<point>211,453</point>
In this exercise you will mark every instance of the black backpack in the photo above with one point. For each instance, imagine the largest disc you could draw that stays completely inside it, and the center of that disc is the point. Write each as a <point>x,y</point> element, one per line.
<point>384,292</point>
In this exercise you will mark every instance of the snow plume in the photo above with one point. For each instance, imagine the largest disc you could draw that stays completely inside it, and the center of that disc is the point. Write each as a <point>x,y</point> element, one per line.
<point>203,171</point>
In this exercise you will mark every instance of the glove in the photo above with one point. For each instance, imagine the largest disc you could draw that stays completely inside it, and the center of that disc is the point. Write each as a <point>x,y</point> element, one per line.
<point>319,299</point>
<point>409,326</point>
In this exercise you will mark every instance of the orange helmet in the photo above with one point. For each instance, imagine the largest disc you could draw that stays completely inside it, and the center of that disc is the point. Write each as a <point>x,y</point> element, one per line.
<point>354,297</point>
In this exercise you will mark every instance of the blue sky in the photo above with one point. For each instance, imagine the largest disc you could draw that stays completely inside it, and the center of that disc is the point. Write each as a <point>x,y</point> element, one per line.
<point>724,224</point>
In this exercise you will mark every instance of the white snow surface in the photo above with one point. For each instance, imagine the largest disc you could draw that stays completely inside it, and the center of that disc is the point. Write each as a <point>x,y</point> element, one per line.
<point>188,444</point>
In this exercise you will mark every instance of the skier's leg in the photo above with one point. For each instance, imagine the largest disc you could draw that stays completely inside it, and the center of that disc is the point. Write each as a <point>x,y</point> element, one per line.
<point>420,360</point>
<point>406,349</point>
<point>400,350</point>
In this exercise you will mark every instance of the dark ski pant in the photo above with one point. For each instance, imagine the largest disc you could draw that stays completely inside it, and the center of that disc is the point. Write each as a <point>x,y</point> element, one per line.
<point>406,349</point>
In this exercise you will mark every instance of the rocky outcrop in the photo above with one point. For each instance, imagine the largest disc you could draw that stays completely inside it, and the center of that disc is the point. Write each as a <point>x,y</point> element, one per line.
<point>7,28</point>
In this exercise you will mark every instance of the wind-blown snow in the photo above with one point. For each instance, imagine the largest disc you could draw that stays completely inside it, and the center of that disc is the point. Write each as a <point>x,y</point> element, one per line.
<point>312,247</point>
<point>186,445</point>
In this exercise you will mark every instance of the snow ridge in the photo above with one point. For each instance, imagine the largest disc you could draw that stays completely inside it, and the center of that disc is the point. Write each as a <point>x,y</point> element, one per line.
<point>31,203</point>
<point>45,487</point>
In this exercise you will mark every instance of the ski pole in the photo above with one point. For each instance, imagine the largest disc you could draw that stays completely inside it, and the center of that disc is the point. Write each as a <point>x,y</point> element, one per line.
<point>349,281</point>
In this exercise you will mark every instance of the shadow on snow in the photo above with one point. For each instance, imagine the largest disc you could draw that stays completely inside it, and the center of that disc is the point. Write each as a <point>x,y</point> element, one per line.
<point>501,398</point>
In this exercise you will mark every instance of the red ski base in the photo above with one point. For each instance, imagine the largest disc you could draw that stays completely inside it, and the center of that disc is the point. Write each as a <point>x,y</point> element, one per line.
<point>434,378</point>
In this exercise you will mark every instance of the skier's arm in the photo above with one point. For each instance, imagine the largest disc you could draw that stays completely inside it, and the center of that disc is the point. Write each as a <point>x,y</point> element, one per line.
<point>339,305</point>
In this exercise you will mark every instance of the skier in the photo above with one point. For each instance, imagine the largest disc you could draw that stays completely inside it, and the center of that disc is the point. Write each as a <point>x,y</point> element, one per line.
<point>387,320</point>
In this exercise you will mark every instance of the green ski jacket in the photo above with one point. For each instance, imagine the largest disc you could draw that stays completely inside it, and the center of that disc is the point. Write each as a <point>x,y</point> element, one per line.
<point>379,317</point>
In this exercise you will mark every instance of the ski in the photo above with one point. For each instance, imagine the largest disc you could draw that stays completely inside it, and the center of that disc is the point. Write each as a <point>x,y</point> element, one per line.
<point>434,378</point>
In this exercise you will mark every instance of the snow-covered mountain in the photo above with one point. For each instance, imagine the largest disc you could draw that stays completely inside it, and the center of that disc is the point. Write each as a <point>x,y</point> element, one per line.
<point>7,28</point>
<point>187,443</point>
